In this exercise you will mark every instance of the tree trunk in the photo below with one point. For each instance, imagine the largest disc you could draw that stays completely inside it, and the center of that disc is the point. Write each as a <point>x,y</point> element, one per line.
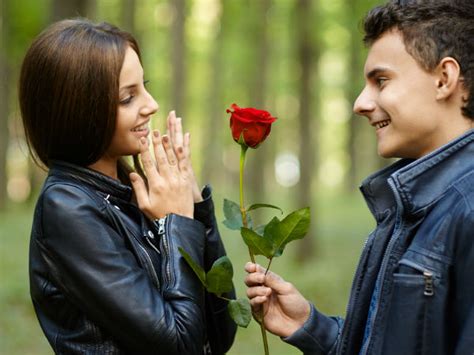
<point>307,57</point>
<point>62,9</point>
<point>128,15</point>
<point>353,87</point>
<point>178,51</point>
<point>4,102</point>
<point>213,146</point>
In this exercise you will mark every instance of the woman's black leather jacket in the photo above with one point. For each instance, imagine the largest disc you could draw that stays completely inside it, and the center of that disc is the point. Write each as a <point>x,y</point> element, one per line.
<point>106,280</point>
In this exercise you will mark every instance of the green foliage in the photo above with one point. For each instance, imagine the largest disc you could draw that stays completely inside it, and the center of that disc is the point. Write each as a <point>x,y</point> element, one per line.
<point>277,234</point>
<point>257,244</point>
<point>218,280</point>
<point>263,205</point>
<point>240,312</point>
<point>232,214</point>
<point>200,273</point>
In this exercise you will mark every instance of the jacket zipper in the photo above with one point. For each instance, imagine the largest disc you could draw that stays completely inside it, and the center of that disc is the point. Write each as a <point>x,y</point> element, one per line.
<point>150,266</point>
<point>163,225</point>
<point>383,267</point>
<point>150,243</point>
<point>353,299</point>
<point>428,276</point>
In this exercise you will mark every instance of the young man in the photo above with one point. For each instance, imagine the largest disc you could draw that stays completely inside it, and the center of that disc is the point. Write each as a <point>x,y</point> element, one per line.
<point>413,291</point>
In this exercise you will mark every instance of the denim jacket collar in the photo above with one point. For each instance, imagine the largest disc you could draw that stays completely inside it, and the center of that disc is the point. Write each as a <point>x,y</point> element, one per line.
<point>99,181</point>
<point>413,185</point>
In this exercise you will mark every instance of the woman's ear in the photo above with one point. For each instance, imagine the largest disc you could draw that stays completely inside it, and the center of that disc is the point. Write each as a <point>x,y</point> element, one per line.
<point>448,73</point>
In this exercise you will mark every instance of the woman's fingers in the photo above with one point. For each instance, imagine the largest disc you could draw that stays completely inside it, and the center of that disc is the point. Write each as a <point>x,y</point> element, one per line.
<point>187,144</point>
<point>170,123</point>
<point>141,192</point>
<point>183,163</point>
<point>178,133</point>
<point>170,155</point>
<point>160,153</point>
<point>147,160</point>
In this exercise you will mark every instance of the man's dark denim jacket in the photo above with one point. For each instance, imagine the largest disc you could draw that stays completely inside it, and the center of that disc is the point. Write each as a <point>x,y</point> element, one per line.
<point>421,255</point>
<point>106,280</point>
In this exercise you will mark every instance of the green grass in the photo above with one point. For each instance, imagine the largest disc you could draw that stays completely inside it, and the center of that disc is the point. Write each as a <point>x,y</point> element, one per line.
<point>343,223</point>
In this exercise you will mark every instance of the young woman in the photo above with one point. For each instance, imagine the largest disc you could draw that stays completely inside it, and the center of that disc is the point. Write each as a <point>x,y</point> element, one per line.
<point>106,276</point>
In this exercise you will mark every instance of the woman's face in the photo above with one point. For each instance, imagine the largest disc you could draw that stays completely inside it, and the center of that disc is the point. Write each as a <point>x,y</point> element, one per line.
<point>135,108</point>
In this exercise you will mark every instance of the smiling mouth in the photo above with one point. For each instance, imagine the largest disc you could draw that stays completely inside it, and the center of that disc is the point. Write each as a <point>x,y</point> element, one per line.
<point>141,128</point>
<point>382,124</point>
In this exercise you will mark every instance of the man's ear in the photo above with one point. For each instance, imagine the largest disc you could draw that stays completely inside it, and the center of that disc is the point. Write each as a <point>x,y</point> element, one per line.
<point>448,74</point>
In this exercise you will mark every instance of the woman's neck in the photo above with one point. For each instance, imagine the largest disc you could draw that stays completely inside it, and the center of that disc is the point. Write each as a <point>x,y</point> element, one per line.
<point>106,166</point>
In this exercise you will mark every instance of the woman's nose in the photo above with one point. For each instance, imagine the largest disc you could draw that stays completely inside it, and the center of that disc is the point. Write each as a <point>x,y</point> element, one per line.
<point>150,107</point>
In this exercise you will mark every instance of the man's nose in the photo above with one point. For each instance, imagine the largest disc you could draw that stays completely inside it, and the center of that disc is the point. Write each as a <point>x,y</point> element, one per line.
<point>364,104</point>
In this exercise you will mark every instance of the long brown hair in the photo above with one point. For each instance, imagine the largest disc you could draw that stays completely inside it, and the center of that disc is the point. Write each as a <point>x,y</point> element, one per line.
<point>68,92</point>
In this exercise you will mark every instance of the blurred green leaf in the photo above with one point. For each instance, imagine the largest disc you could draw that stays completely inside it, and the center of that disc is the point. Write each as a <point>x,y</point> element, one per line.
<point>263,205</point>
<point>219,278</point>
<point>257,244</point>
<point>240,311</point>
<point>198,270</point>
<point>260,229</point>
<point>232,214</point>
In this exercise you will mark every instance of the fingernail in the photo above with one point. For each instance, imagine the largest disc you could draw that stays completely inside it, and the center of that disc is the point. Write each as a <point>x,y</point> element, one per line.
<point>143,140</point>
<point>180,150</point>
<point>165,138</point>
<point>133,177</point>
<point>156,134</point>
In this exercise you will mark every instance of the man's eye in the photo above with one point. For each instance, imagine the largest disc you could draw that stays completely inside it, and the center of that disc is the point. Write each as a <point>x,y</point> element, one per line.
<point>127,100</point>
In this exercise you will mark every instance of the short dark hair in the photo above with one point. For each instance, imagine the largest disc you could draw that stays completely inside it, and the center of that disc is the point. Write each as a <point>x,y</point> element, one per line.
<point>69,90</point>
<point>431,30</point>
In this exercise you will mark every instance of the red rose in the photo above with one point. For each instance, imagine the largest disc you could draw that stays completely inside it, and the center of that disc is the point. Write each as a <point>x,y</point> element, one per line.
<point>250,126</point>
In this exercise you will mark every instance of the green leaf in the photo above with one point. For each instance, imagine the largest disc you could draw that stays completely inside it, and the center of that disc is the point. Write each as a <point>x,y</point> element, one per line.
<point>260,229</point>
<point>219,278</point>
<point>263,205</point>
<point>257,244</point>
<point>292,227</point>
<point>232,214</point>
<point>240,311</point>
<point>198,270</point>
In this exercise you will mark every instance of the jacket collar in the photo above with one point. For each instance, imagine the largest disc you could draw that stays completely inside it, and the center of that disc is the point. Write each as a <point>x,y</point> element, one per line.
<point>413,185</point>
<point>90,177</point>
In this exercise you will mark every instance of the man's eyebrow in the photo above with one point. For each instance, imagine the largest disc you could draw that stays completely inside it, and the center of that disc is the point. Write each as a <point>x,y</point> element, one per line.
<point>376,71</point>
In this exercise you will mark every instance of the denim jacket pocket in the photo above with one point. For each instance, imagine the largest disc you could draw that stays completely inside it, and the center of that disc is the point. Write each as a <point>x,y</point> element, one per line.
<point>410,309</point>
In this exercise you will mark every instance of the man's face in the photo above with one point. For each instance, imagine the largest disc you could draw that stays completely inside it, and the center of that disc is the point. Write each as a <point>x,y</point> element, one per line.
<point>399,99</point>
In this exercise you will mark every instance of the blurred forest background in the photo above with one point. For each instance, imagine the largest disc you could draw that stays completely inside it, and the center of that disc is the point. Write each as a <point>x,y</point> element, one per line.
<point>302,60</point>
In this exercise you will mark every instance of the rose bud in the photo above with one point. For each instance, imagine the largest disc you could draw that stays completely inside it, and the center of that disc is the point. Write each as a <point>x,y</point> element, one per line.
<point>250,126</point>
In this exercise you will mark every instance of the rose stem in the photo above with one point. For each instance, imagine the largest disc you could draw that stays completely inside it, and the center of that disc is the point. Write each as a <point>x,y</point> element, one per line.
<point>242,206</point>
<point>243,150</point>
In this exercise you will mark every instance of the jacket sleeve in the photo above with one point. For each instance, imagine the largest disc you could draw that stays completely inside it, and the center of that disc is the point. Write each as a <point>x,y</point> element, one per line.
<point>319,335</point>
<point>221,328</point>
<point>464,287</point>
<point>100,275</point>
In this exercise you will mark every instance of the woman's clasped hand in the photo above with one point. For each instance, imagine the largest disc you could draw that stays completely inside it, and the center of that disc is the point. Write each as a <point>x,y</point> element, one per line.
<point>169,174</point>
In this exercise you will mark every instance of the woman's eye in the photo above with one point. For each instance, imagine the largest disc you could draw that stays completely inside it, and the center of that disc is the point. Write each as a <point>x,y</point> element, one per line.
<point>127,100</point>
<point>380,81</point>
